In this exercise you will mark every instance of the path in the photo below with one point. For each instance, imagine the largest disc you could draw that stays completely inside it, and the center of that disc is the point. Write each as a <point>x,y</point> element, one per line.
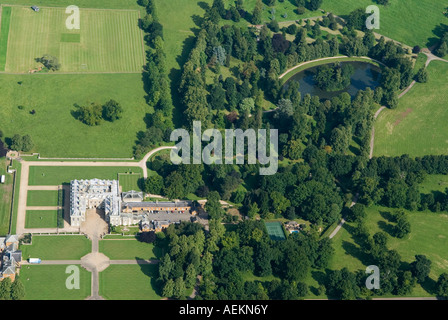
<point>336,230</point>
<point>24,187</point>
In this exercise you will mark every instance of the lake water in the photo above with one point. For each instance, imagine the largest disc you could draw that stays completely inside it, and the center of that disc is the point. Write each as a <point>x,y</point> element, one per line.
<point>366,75</point>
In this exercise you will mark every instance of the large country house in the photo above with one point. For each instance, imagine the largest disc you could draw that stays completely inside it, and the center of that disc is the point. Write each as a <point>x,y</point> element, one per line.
<point>11,257</point>
<point>121,208</point>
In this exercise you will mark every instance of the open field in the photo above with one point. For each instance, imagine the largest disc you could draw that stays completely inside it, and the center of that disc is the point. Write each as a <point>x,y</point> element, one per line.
<point>54,127</point>
<point>54,176</point>
<point>128,249</point>
<point>129,282</point>
<point>418,125</point>
<point>4,32</point>
<point>412,22</point>
<point>100,4</point>
<point>129,182</point>
<point>107,41</point>
<point>5,198</point>
<point>57,247</point>
<point>42,198</point>
<point>428,237</point>
<point>47,282</point>
<point>41,219</point>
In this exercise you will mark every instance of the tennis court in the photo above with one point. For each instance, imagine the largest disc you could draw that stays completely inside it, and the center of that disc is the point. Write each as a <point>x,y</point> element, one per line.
<point>275,230</point>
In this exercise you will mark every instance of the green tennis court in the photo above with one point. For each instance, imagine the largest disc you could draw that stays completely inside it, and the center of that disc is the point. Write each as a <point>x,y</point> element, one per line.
<point>275,230</point>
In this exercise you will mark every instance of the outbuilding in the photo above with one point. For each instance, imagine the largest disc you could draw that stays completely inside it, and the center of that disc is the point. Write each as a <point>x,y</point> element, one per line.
<point>35,8</point>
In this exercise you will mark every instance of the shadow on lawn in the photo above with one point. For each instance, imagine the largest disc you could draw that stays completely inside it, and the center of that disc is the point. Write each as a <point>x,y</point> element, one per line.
<point>152,271</point>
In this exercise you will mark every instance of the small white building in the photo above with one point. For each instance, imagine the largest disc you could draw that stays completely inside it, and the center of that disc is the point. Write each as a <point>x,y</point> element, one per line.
<point>2,178</point>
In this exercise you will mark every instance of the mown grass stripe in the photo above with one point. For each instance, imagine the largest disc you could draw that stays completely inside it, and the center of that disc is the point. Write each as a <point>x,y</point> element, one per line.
<point>4,33</point>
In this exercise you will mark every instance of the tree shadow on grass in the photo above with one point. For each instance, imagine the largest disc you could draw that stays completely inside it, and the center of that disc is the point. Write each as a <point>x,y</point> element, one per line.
<point>356,252</point>
<point>438,32</point>
<point>320,277</point>
<point>429,285</point>
<point>387,227</point>
<point>152,271</point>
<point>387,216</point>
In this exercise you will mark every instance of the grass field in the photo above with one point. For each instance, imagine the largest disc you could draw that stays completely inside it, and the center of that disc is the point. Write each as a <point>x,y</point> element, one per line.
<point>418,125</point>
<point>129,182</point>
<point>41,219</point>
<point>57,247</point>
<point>55,113</point>
<point>4,32</point>
<point>47,282</point>
<point>275,230</point>
<point>18,167</point>
<point>42,198</point>
<point>5,198</point>
<point>128,249</point>
<point>129,282</point>
<point>53,176</point>
<point>428,237</point>
<point>109,40</point>
<point>413,22</point>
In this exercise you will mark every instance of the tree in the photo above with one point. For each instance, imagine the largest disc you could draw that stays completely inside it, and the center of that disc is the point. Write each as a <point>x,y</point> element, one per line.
<point>27,143</point>
<point>112,110</point>
<point>247,105</point>
<point>313,5</point>
<point>442,285</point>
<point>154,184</point>
<point>357,212</point>
<point>168,289</point>
<point>421,268</point>
<point>5,289</point>
<point>50,62</point>
<point>442,50</point>
<point>422,75</point>
<point>403,227</point>
<point>256,14</point>
<point>190,276</point>
<point>90,115</point>
<point>17,290</point>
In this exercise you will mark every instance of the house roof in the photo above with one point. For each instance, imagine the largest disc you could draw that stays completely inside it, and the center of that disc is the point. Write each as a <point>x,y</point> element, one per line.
<point>158,204</point>
<point>11,238</point>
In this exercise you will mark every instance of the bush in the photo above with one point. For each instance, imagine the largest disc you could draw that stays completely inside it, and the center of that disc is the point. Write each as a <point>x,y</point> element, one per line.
<point>301,10</point>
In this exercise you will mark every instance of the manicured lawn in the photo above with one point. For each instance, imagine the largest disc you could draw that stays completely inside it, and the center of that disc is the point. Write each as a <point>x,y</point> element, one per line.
<point>418,125</point>
<point>42,198</point>
<point>4,32</point>
<point>129,282</point>
<point>47,282</point>
<point>413,22</point>
<point>128,249</point>
<point>129,182</point>
<point>55,129</point>
<point>57,247</point>
<point>5,198</point>
<point>104,4</point>
<point>109,41</point>
<point>41,219</point>
<point>18,167</point>
<point>52,176</point>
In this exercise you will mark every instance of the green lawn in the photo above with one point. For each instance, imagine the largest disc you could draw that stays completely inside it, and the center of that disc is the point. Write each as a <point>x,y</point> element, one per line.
<point>413,22</point>
<point>129,282</point>
<point>53,176</point>
<point>42,198</point>
<point>55,129</point>
<point>5,198</point>
<point>109,40</point>
<point>41,219</point>
<point>129,182</point>
<point>57,247</point>
<point>4,32</point>
<point>128,249</point>
<point>18,167</point>
<point>47,282</point>
<point>428,237</point>
<point>418,125</point>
